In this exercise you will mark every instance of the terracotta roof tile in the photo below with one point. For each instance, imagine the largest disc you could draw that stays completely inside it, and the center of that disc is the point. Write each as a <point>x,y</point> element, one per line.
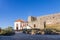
<point>19,20</point>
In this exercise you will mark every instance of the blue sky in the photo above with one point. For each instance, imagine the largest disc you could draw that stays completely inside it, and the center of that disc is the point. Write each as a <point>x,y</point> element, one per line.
<point>11,10</point>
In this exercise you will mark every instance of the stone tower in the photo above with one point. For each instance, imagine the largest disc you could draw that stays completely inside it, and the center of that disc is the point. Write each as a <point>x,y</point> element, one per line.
<point>43,21</point>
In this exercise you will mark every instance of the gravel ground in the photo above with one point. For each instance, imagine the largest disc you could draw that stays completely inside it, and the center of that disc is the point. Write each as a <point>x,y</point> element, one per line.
<point>21,36</point>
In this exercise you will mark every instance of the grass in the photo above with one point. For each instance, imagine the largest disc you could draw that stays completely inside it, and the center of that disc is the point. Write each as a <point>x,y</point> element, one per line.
<point>54,26</point>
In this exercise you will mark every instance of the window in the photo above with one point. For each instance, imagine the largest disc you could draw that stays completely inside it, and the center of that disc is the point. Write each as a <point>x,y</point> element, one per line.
<point>44,24</point>
<point>34,25</point>
<point>16,25</point>
<point>53,17</point>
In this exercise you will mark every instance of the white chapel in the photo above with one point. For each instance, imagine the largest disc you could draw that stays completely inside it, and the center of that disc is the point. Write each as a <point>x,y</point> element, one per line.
<point>21,24</point>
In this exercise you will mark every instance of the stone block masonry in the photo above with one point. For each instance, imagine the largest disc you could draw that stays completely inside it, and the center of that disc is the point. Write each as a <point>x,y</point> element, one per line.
<point>38,22</point>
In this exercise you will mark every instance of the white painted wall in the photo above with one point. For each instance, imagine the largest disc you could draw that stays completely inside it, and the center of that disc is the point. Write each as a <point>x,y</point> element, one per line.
<point>27,27</point>
<point>19,23</point>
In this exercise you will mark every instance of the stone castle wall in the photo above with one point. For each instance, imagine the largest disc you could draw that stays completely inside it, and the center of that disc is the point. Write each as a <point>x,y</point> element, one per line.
<point>38,22</point>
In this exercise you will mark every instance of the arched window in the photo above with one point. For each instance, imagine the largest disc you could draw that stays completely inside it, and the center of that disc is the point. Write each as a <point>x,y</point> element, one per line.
<point>44,24</point>
<point>16,25</point>
<point>34,25</point>
<point>53,17</point>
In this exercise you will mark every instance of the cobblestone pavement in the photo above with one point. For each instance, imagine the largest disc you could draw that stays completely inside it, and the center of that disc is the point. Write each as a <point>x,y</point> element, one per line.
<point>21,36</point>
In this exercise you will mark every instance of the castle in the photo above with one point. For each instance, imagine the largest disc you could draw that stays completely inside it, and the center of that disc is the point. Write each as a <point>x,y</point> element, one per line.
<point>42,21</point>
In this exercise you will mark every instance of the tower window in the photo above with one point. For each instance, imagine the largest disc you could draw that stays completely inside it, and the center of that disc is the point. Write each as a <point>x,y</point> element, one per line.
<point>53,17</point>
<point>34,25</point>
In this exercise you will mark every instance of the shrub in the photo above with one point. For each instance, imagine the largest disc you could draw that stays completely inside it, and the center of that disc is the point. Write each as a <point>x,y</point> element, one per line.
<point>27,31</point>
<point>31,31</point>
<point>48,31</point>
<point>7,31</point>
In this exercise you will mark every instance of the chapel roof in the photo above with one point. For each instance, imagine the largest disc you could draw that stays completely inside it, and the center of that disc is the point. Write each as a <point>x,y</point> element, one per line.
<point>19,20</point>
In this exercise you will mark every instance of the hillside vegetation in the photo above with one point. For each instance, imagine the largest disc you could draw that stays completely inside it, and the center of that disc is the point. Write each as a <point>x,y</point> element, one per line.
<point>53,26</point>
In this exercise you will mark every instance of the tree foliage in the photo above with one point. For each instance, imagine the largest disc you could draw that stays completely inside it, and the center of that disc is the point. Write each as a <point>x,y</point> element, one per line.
<point>7,31</point>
